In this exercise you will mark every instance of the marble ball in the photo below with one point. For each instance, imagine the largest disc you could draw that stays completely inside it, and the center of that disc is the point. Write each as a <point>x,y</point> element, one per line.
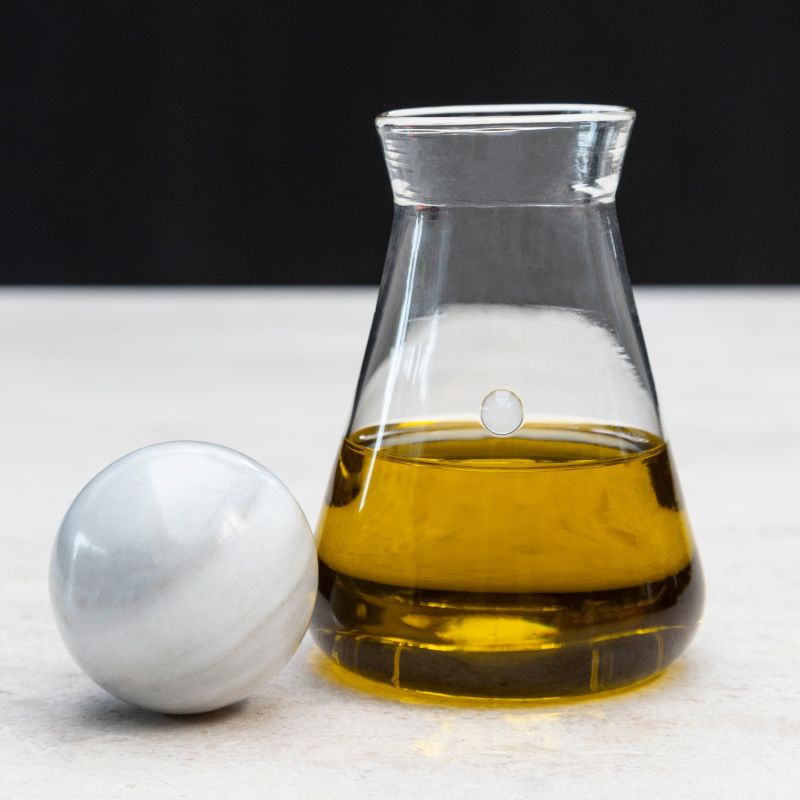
<point>183,576</point>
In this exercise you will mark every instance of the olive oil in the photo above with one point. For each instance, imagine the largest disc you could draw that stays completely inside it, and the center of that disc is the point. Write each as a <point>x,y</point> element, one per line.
<point>552,562</point>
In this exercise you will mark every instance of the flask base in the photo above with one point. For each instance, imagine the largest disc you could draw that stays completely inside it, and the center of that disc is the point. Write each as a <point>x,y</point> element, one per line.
<point>496,645</point>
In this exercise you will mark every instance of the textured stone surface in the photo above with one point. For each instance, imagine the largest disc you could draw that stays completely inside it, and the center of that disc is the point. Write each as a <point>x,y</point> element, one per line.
<point>89,375</point>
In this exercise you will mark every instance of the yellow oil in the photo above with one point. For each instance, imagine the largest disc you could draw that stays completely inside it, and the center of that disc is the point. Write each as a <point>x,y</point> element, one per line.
<point>556,561</point>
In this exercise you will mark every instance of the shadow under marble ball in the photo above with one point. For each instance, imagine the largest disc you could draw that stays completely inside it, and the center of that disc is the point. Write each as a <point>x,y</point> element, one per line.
<point>183,576</point>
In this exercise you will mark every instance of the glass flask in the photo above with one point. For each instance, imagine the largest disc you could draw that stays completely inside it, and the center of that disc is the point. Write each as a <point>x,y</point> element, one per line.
<point>504,519</point>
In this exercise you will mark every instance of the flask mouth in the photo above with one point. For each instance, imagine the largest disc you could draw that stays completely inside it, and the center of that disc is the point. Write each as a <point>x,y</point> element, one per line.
<point>487,155</point>
<point>516,115</point>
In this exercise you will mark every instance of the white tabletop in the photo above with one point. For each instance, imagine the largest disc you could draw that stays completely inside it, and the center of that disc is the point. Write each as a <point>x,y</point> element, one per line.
<point>90,375</point>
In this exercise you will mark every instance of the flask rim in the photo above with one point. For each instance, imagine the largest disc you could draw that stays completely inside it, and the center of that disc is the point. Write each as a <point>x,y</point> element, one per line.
<point>516,114</point>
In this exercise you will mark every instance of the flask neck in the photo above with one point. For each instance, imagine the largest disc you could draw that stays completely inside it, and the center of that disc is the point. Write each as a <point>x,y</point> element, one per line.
<point>505,155</point>
<point>536,254</point>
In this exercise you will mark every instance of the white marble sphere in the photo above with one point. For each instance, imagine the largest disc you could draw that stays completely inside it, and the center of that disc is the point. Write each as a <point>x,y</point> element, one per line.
<point>183,576</point>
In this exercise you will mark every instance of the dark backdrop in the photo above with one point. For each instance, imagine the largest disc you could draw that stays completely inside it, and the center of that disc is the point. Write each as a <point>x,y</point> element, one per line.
<point>233,142</point>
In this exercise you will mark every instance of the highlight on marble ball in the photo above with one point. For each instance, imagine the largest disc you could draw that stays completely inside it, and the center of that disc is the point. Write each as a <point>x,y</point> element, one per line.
<point>183,577</point>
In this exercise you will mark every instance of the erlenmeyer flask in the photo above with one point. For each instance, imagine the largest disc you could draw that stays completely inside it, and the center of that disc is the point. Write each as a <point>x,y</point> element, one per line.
<point>504,519</point>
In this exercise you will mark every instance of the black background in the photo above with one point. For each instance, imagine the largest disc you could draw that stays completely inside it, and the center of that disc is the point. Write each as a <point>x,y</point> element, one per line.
<point>233,142</point>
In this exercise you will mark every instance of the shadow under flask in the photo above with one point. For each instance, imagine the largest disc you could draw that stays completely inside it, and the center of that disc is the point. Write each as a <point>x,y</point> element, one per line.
<point>504,519</point>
